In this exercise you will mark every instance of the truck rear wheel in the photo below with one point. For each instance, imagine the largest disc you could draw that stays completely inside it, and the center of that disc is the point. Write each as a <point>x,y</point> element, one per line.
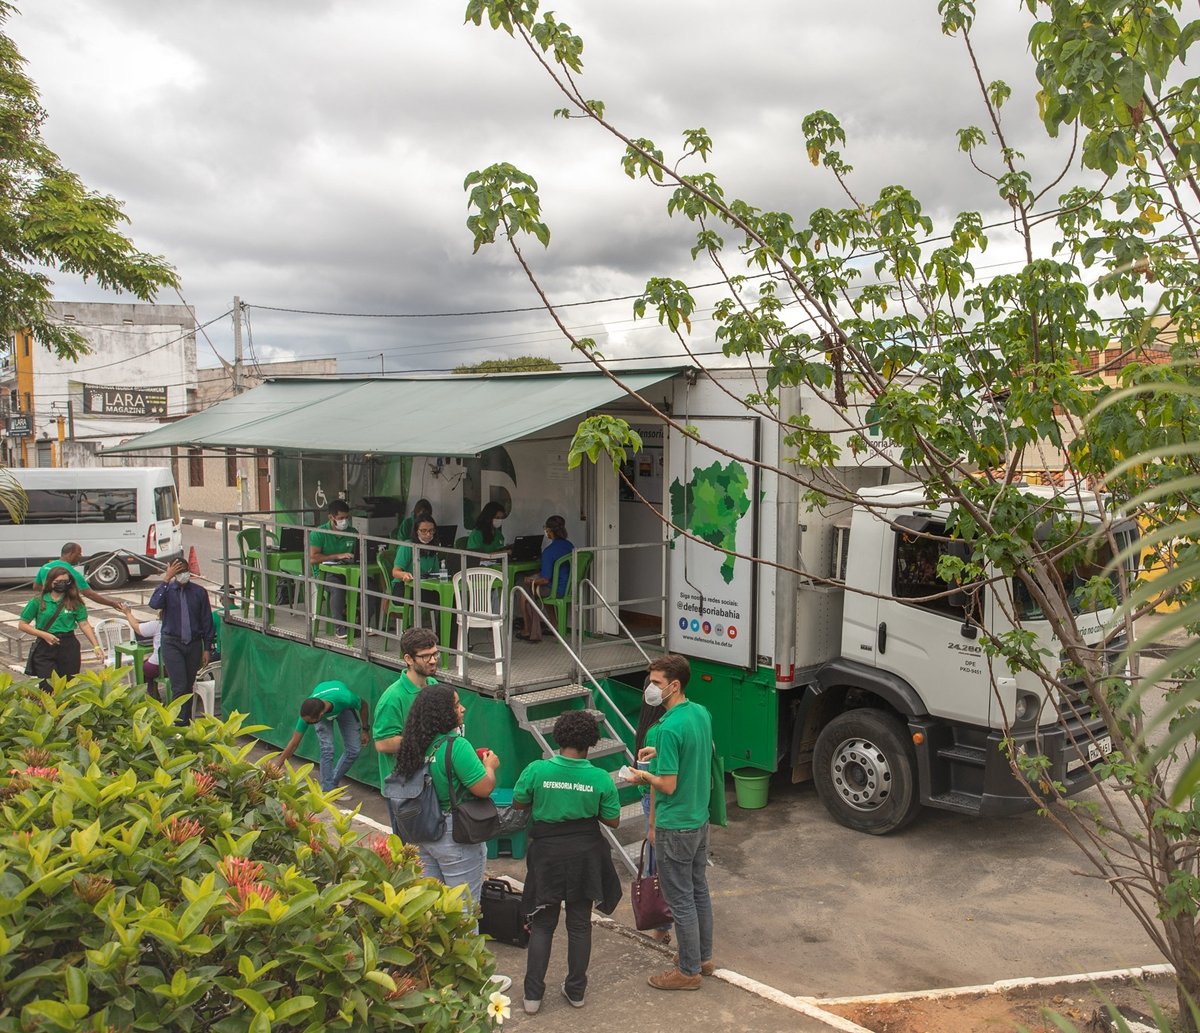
<point>865,771</point>
<point>110,574</point>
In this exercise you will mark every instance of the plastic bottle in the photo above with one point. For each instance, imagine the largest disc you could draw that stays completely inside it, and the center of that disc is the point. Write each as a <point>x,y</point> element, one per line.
<point>443,574</point>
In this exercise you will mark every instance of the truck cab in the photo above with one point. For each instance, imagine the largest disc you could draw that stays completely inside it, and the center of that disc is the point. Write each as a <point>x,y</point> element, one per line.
<point>914,712</point>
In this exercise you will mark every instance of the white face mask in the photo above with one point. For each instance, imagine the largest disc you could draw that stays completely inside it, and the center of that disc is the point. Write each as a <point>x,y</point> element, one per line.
<point>341,525</point>
<point>653,696</point>
<point>497,523</point>
<point>184,577</point>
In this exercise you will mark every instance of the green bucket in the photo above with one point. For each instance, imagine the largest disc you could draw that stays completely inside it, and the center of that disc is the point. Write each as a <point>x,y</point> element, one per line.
<point>750,785</point>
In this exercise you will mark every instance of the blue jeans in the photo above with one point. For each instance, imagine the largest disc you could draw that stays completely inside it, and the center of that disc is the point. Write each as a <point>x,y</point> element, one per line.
<point>683,876</point>
<point>455,864</point>
<point>351,729</point>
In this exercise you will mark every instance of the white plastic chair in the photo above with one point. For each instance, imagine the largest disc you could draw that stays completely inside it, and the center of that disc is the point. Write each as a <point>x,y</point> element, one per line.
<point>482,605</point>
<point>112,632</point>
<point>207,689</point>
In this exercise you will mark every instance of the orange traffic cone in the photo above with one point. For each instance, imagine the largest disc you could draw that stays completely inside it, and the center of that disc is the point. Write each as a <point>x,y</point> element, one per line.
<point>193,562</point>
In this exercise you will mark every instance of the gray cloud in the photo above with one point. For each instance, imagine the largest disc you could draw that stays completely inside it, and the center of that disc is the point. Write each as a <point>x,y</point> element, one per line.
<point>311,154</point>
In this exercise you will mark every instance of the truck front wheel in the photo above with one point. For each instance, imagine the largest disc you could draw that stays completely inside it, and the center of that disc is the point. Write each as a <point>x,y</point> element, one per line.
<point>864,768</point>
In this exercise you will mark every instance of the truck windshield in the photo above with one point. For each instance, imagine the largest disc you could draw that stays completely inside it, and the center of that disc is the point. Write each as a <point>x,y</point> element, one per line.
<point>1076,578</point>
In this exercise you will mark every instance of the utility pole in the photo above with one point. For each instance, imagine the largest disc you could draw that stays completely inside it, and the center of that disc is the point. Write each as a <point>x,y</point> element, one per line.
<point>243,463</point>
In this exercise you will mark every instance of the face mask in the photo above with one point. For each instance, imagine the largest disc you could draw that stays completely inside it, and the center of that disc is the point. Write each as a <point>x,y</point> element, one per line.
<point>184,578</point>
<point>60,586</point>
<point>341,525</point>
<point>460,730</point>
<point>497,523</point>
<point>653,696</point>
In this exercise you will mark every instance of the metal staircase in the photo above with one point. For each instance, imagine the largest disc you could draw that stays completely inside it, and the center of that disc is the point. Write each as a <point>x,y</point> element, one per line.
<point>551,702</point>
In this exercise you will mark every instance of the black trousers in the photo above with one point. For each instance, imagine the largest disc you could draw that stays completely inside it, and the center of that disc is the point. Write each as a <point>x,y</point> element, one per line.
<point>542,924</point>
<point>181,661</point>
<point>63,659</point>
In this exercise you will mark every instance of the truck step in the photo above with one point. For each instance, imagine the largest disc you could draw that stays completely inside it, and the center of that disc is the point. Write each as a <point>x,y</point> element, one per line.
<point>545,725</point>
<point>961,754</point>
<point>964,803</point>
<point>605,747</point>
<point>557,694</point>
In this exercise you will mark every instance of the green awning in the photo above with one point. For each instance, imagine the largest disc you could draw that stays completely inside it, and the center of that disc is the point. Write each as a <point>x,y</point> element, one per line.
<point>443,416</point>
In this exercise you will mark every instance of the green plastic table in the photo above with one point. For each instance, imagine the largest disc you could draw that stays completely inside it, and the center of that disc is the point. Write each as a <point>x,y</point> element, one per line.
<point>135,653</point>
<point>445,594</point>
<point>352,573</point>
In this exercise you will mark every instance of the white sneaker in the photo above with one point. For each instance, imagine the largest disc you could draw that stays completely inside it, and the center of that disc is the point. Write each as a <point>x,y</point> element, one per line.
<point>532,1007</point>
<point>500,984</point>
<point>571,1000</point>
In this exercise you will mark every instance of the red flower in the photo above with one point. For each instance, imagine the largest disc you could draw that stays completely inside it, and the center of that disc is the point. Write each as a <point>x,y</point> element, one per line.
<point>180,830</point>
<point>203,783</point>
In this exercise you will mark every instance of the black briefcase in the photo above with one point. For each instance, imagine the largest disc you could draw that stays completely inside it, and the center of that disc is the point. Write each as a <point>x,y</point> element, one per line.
<point>502,918</point>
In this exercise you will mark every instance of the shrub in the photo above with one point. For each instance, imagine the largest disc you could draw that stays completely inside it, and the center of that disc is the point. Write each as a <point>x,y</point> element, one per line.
<point>152,877</point>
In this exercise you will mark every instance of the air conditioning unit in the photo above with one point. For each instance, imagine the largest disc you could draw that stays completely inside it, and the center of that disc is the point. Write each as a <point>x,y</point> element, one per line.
<point>841,552</point>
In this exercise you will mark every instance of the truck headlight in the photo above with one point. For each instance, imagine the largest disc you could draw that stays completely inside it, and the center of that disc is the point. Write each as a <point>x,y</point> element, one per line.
<point>1026,708</point>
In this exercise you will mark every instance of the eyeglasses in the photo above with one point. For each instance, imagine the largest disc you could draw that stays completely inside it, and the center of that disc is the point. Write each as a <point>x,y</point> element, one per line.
<point>431,655</point>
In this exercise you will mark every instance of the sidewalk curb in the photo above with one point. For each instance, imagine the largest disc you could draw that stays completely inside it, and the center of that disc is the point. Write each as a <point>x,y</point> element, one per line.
<point>212,523</point>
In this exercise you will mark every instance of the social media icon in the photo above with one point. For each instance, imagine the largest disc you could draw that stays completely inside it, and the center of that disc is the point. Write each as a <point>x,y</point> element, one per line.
<point>695,625</point>
<point>707,628</point>
<point>732,632</point>
<point>683,623</point>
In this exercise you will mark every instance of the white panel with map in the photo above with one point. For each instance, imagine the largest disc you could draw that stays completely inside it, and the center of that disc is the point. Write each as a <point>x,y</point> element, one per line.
<point>710,592</point>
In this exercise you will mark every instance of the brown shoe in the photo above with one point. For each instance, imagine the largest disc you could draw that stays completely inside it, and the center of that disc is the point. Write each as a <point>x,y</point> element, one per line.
<point>673,979</point>
<point>707,968</point>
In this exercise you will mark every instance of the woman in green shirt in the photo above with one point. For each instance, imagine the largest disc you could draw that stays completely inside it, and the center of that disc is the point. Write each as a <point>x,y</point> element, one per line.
<point>422,509</point>
<point>406,570</point>
<point>568,862</point>
<point>433,726</point>
<point>52,618</point>
<point>486,535</point>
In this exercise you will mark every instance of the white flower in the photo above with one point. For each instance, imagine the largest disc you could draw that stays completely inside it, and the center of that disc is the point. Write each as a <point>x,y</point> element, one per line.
<point>498,1009</point>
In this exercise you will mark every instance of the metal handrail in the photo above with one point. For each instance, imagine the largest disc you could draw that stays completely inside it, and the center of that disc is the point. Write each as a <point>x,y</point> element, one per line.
<point>580,665</point>
<point>615,616</point>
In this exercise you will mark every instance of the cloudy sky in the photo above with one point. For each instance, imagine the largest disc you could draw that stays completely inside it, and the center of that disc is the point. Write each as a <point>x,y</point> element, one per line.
<point>305,154</point>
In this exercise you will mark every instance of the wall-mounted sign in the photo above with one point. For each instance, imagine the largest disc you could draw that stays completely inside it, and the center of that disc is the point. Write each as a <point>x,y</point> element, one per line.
<point>124,401</point>
<point>19,425</point>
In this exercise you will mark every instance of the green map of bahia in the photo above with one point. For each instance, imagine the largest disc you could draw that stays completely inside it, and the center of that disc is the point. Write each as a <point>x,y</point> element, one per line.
<point>710,506</point>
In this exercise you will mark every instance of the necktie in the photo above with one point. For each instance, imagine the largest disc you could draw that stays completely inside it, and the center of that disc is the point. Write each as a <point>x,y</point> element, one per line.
<point>185,615</point>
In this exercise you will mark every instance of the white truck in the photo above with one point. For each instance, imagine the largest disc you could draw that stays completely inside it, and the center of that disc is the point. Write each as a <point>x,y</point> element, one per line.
<point>848,671</point>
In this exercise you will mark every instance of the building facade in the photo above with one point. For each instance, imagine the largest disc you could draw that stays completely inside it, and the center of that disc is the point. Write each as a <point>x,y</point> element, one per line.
<point>140,370</point>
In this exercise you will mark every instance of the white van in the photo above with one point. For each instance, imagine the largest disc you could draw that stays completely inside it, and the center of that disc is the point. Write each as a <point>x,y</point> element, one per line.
<point>121,516</point>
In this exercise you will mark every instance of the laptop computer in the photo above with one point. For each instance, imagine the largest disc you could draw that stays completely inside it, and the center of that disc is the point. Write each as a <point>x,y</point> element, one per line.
<point>445,535</point>
<point>291,538</point>
<point>526,547</point>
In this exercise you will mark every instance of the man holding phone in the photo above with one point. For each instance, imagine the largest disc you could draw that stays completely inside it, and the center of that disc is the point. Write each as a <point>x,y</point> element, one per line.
<point>188,631</point>
<point>680,780</point>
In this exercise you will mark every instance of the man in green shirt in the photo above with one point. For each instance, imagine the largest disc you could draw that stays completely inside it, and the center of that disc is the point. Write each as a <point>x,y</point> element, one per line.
<point>332,701</point>
<point>335,541</point>
<point>681,778</point>
<point>419,648</point>
<point>71,554</point>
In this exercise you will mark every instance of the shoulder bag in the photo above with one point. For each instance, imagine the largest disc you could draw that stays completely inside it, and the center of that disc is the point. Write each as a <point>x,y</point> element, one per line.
<point>717,814</point>
<point>414,806</point>
<point>53,617</point>
<point>650,907</point>
<point>476,819</point>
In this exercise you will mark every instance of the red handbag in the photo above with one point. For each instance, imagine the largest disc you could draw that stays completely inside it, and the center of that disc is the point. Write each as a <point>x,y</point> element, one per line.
<point>650,907</point>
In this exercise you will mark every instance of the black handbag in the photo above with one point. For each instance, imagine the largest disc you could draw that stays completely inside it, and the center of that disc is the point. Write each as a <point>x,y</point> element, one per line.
<point>476,819</point>
<point>414,806</point>
<point>650,907</point>
<point>53,617</point>
<point>501,915</point>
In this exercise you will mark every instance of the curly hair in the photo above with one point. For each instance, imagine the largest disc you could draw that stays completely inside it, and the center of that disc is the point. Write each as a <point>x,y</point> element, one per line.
<point>312,708</point>
<point>576,730</point>
<point>433,713</point>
